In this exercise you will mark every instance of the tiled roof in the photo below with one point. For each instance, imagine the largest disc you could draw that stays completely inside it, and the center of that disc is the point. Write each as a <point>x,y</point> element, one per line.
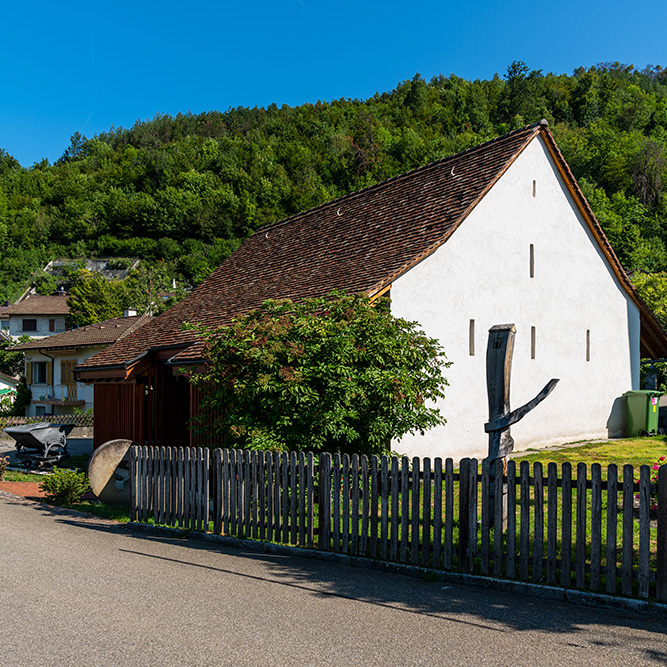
<point>39,305</point>
<point>9,378</point>
<point>359,243</point>
<point>101,333</point>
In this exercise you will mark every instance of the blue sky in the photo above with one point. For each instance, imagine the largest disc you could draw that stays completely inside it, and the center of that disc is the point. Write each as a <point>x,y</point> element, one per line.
<point>85,66</point>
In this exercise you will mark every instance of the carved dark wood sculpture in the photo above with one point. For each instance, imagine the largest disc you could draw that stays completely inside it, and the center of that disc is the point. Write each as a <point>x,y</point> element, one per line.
<point>498,371</point>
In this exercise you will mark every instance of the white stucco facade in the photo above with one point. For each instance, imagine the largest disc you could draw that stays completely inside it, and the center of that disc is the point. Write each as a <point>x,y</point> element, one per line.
<point>51,393</point>
<point>44,325</point>
<point>482,273</point>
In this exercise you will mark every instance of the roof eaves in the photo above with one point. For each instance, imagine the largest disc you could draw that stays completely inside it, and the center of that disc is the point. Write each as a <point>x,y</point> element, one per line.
<point>130,362</point>
<point>112,367</point>
<point>66,346</point>
<point>188,362</point>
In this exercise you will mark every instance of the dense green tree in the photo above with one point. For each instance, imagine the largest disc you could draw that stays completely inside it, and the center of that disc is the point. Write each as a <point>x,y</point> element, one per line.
<point>12,363</point>
<point>94,299</point>
<point>333,374</point>
<point>653,289</point>
<point>150,289</point>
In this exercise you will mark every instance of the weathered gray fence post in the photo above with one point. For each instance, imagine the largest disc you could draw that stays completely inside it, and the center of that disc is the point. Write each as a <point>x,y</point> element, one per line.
<point>324,531</point>
<point>464,523</point>
<point>134,484</point>
<point>661,569</point>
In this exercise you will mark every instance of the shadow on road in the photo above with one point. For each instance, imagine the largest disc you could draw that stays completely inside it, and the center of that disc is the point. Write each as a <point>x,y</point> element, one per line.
<point>495,610</point>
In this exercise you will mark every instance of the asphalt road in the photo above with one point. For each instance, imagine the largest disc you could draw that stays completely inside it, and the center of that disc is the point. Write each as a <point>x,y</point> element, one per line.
<point>81,591</point>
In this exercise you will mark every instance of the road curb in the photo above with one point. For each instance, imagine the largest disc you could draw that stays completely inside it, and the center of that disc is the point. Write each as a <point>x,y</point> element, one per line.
<point>572,596</point>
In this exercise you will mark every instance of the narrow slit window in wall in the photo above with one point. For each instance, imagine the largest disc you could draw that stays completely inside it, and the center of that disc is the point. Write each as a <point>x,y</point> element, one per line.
<point>471,338</point>
<point>534,187</point>
<point>532,260</point>
<point>532,342</point>
<point>588,344</point>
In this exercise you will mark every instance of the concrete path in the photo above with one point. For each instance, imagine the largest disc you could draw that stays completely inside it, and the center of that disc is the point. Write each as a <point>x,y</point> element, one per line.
<point>80,591</point>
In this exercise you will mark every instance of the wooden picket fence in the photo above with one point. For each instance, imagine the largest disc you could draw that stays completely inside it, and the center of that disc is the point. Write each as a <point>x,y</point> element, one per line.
<point>589,532</point>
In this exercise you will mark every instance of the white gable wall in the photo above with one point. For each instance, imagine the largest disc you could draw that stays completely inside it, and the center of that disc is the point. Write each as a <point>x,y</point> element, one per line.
<point>482,273</point>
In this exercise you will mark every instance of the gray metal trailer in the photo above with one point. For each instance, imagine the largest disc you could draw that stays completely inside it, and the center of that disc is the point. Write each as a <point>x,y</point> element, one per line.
<point>40,445</point>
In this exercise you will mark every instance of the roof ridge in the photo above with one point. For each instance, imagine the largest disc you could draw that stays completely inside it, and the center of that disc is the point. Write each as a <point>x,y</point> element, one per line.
<point>425,167</point>
<point>141,320</point>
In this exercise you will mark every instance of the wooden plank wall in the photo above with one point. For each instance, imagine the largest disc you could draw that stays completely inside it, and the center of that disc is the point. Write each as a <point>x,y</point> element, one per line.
<point>581,530</point>
<point>201,437</point>
<point>155,411</point>
<point>119,412</point>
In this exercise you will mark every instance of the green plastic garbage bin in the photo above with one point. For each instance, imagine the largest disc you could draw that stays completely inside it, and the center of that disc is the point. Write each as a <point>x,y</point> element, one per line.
<point>643,411</point>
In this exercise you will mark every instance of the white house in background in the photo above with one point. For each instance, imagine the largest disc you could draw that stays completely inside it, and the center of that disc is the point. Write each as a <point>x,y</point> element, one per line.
<point>49,363</point>
<point>497,234</point>
<point>36,316</point>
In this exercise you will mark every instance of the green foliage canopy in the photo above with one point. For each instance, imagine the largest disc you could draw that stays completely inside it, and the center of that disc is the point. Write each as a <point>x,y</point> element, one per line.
<point>653,289</point>
<point>11,363</point>
<point>330,374</point>
<point>94,299</point>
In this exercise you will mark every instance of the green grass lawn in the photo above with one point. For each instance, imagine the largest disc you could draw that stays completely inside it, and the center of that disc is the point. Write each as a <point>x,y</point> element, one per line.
<point>79,462</point>
<point>20,476</point>
<point>95,507</point>
<point>633,451</point>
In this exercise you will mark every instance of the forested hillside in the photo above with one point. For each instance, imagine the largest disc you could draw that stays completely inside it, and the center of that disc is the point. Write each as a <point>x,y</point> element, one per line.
<point>184,191</point>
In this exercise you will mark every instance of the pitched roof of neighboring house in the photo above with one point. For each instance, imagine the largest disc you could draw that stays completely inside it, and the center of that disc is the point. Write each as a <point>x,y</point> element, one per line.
<point>101,333</point>
<point>10,379</point>
<point>360,243</point>
<point>39,305</point>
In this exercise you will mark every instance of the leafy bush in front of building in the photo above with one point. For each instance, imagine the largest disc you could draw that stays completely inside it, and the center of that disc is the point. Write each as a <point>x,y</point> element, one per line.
<point>331,374</point>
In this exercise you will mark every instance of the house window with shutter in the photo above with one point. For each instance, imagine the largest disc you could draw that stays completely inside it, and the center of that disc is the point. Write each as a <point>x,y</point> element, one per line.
<point>39,372</point>
<point>52,324</point>
<point>67,372</point>
<point>29,325</point>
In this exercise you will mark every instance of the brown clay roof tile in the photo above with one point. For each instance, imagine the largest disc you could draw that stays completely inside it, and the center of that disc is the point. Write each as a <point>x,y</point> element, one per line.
<point>39,305</point>
<point>101,333</point>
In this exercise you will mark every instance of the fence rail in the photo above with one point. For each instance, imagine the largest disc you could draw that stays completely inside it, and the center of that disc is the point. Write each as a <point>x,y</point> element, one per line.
<point>599,532</point>
<point>77,420</point>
